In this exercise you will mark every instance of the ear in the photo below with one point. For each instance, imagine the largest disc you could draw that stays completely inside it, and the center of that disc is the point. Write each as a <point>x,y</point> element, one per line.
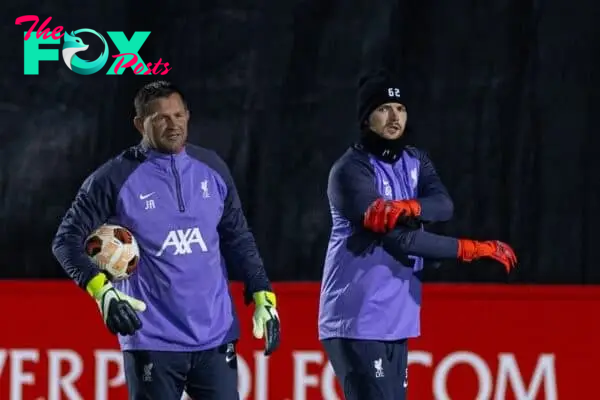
<point>138,122</point>
<point>366,124</point>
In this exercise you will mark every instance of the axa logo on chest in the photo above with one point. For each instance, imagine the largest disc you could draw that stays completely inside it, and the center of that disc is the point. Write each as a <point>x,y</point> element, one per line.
<point>128,50</point>
<point>180,242</point>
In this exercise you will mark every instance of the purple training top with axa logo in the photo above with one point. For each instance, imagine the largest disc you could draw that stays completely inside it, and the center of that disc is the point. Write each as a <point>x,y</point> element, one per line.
<point>185,213</point>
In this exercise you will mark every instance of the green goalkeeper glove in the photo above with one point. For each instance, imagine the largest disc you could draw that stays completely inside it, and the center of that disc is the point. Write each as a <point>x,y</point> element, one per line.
<point>118,309</point>
<point>266,320</point>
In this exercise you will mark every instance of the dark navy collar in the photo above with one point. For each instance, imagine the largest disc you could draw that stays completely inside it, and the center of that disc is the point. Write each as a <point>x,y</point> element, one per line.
<point>151,153</point>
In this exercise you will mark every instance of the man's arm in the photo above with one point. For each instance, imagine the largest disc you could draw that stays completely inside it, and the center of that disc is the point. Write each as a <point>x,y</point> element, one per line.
<point>237,242</point>
<point>436,203</point>
<point>92,206</point>
<point>352,191</point>
<point>419,243</point>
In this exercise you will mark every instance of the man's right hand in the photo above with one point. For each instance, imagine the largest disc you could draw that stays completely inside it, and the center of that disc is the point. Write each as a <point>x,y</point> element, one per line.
<point>119,311</point>
<point>383,215</point>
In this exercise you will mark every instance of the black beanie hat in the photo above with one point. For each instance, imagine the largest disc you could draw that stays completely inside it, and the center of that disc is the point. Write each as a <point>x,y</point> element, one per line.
<point>377,89</point>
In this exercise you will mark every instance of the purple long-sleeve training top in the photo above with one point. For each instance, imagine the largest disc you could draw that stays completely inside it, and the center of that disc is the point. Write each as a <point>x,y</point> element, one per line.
<point>371,288</point>
<point>186,215</point>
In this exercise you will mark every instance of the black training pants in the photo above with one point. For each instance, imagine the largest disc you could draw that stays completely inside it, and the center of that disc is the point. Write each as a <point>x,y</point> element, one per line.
<point>163,375</point>
<point>368,369</point>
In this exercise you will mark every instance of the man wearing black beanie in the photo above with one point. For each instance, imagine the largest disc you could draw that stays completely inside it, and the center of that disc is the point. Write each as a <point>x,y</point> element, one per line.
<point>382,116</point>
<point>381,191</point>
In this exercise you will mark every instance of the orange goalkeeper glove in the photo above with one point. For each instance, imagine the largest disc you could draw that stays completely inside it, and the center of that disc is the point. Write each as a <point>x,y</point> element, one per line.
<point>382,216</point>
<point>469,250</point>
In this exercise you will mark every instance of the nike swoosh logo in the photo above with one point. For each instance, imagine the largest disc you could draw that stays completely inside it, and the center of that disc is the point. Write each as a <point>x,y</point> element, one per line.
<point>145,196</point>
<point>229,359</point>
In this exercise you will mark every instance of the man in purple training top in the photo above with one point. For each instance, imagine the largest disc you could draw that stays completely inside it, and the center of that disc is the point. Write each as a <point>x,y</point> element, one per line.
<point>381,191</point>
<point>174,316</point>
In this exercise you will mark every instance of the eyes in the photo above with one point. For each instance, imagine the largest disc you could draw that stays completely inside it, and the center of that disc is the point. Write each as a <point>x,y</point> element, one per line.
<point>386,108</point>
<point>165,118</point>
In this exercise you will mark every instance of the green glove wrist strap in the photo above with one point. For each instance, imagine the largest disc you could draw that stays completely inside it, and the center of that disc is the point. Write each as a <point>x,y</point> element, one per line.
<point>265,298</point>
<point>96,284</point>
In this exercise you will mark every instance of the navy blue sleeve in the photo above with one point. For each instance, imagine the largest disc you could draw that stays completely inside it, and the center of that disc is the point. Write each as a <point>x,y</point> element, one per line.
<point>237,241</point>
<point>352,189</point>
<point>436,203</point>
<point>420,243</point>
<point>93,205</point>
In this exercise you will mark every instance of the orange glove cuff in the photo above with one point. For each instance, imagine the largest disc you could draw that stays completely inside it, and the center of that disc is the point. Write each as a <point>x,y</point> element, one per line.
<point>414,206</point>
<point>467,250</point>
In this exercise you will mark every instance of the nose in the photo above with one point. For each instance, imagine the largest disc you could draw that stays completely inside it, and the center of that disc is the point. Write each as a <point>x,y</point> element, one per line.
<point>171,122</point>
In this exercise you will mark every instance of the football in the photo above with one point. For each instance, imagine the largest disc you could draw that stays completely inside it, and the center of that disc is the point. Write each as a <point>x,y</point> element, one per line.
<point>114,250</point>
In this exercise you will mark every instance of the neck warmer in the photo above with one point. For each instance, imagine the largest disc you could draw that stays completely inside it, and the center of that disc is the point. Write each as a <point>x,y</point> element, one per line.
<point>388,150</point>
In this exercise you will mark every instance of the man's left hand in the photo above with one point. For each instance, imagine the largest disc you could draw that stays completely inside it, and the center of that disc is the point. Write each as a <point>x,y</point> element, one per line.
<point>266,320</point>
